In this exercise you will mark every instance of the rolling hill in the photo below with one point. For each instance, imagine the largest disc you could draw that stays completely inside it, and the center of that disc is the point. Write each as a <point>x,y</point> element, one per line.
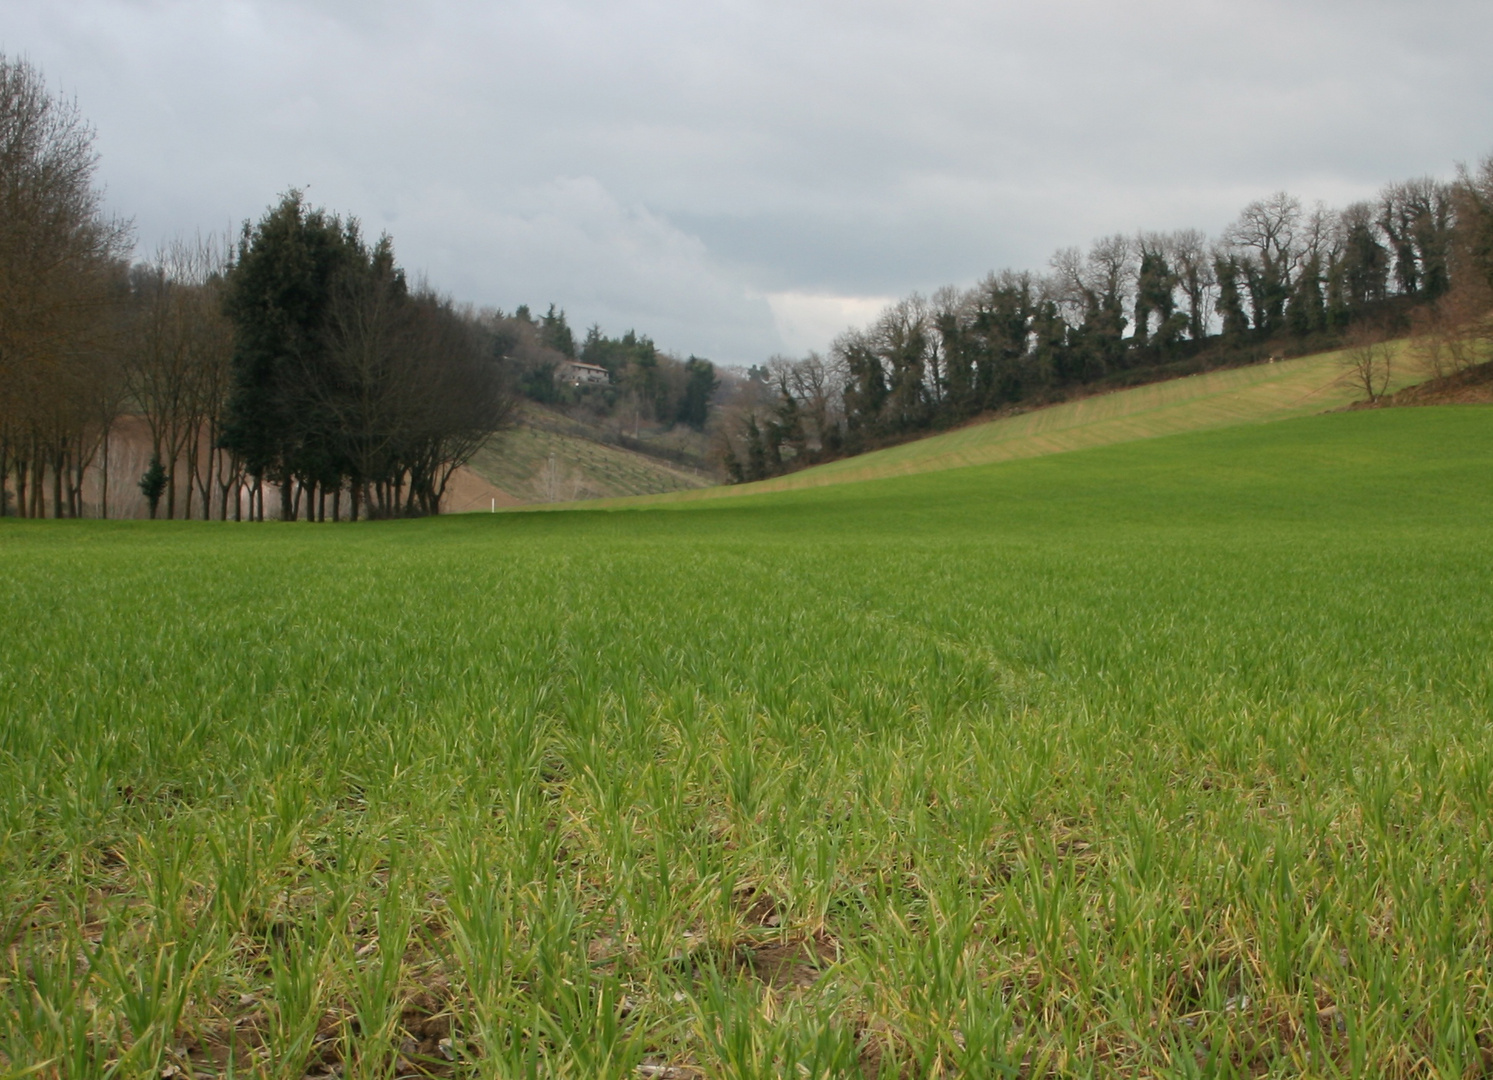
<point>1248,395</point>
<point>548,457</point>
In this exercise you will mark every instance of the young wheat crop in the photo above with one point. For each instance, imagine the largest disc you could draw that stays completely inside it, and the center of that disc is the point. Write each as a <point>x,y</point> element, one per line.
<point>1167,759</point>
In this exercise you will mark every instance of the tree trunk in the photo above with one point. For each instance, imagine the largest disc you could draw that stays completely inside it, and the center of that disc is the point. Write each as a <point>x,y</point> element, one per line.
<point>38,486</point>
<point>190,483</point>
<point>57,470</point>
<point>337,505</point>
<point>79,469</point>
<point>103,511</point>
<point>205,486</point>
<point>191,477</point>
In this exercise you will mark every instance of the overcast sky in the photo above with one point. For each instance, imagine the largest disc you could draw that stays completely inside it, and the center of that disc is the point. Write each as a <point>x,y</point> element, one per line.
<point>743,178</point>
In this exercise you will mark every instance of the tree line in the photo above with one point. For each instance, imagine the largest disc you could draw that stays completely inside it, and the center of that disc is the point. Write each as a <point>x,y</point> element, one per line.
<point>61,277</point>
<point>345,379</point>
<point>1283,278</point>
<point>297,359</point>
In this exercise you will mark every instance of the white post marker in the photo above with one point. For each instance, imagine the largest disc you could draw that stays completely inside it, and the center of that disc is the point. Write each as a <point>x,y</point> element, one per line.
<point>494,504</point>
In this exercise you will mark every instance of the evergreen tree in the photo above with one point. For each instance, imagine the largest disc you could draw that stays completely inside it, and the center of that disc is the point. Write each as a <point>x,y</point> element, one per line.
<point>1049,335</point>
<point>1000,327</point>
<point>865,383</point>
<point>554,332</point>
<point>1308,311</point>
<point>756,463</point>
<point>153,485</point>
<point>277,298</point>
<point>1365,262</point>
<point>902,339</point>
<point>700,383</point>
<point>341,375</point>
<point>961,351</point>
<point>1155,291</point>
<point>1230,305</point>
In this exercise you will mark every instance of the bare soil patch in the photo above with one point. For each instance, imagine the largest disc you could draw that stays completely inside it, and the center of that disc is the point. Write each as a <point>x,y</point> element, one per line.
<point>468,492</point>
<point>789,965</point>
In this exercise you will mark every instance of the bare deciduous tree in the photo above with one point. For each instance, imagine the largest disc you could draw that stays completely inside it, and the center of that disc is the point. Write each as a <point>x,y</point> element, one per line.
<point>1456,331</point>
<point>1267,236</point>
<point>178,366</point>
<point>408,395</point>
<point>60,258</point>
<point>1454,334</point>
<point>1193,263</point>
<point>1367,359</point>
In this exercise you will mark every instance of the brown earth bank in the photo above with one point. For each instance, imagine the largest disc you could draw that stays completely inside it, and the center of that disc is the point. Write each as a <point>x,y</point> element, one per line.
<point>468,492</point>
<point>115,479</point>
<point>1473,386</point>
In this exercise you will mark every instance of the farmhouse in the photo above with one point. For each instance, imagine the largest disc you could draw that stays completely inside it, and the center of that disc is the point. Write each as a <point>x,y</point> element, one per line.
<point>576,373</point>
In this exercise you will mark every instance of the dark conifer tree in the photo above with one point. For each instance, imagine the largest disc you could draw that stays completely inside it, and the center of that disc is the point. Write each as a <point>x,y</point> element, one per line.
<point>1155,292</point>
<point>1230,305</point>
<point>1307,313</point>
<point>865,384</point>
<point>700,383</point>
<point>341,375</point>
<point>1365,262</point>
<point>756,462</point>
<point>555,333</point>
<point>277,298</point>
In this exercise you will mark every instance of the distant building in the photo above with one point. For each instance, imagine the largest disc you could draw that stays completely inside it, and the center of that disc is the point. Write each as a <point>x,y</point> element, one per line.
<point>575,373</point>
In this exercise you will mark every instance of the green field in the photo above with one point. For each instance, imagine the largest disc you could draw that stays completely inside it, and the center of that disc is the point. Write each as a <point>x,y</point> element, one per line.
<point>1256,394</point>
<point>1172,757</point>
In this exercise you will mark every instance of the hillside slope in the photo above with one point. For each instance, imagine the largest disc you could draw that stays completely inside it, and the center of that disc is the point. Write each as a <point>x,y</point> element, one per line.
<point>1331,471</point>
<point>1247,395</point>
<point>547,457</point>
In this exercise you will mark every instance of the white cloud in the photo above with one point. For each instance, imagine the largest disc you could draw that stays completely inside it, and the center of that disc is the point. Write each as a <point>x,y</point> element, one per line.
<point>809,321</point>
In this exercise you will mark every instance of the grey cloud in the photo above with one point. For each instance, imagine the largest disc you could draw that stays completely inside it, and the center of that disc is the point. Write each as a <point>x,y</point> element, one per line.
<point>666,165</point>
